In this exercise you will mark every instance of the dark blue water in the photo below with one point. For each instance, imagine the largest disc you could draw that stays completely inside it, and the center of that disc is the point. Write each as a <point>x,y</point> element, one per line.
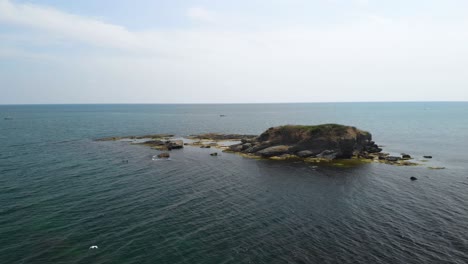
<point>61,192</point>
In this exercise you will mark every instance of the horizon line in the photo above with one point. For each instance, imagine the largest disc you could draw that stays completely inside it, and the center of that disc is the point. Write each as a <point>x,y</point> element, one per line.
<point>250,103</point>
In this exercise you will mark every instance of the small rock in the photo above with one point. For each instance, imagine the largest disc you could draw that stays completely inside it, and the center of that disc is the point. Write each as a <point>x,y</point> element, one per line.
<point>164,155</point>
<point>436,168</point>
<point>407,163</point>
<point>214,154</point>
<point>427,157</point>
<point>274,151</point>
<point>327,154</point>
<point>405,156</point>
<point>392,158</point>
<point>175,144</point>
<point>413,178</point>
<point>305,153</point>
<point>373,149</point>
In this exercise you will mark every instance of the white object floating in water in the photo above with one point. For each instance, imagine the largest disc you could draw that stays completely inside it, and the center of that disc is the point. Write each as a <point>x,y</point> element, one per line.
<point>93,247</point>
<point>155,158</point>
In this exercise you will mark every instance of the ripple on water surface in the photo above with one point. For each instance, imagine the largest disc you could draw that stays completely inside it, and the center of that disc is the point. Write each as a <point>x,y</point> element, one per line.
<point>61,192</point>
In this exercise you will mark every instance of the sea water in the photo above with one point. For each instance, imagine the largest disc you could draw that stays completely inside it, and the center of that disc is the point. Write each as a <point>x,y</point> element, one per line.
<point>62,192</point>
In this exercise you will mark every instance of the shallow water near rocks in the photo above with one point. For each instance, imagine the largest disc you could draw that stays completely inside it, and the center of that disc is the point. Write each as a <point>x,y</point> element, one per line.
<point>62,192</point>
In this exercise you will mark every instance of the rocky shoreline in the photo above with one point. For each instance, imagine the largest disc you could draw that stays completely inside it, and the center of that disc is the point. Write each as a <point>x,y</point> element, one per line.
<point>327,143</point>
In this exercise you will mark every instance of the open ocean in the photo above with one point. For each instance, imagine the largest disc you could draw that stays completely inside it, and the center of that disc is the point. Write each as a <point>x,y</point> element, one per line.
<point>61,191</point>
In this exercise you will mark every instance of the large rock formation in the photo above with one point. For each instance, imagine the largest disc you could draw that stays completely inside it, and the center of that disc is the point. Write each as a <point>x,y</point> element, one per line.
<point>328,141</point>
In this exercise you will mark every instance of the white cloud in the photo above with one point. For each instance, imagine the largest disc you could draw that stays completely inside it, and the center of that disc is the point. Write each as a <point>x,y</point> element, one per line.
<point>62,24</point>
<point>201,14</point>
<point>22,54</point>
<point>369,59</point>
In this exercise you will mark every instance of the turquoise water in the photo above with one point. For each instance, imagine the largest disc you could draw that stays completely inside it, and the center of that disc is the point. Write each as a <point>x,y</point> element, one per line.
<point>61,191</point>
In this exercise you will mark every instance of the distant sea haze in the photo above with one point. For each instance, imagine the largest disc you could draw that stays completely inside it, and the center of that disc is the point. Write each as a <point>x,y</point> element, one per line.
<point>62,192</point>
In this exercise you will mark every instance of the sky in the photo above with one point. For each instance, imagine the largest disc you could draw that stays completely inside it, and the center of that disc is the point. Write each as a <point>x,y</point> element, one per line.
<point>244,51</point>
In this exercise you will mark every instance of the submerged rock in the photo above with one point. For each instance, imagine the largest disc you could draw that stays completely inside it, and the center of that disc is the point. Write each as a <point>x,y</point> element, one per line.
<point>436,168</point>
<point>163,155</point>
<point>214,154</point>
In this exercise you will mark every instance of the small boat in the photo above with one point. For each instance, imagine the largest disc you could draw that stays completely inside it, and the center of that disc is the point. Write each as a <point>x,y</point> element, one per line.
<point>8,118</point>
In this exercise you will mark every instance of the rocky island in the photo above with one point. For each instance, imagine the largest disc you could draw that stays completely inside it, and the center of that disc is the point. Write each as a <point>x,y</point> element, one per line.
<point>327,142</point>
<point>316,143</point>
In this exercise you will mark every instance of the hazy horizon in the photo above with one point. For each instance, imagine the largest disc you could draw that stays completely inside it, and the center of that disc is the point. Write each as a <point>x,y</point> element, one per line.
<point>203,52</point>
<point>235,103</point>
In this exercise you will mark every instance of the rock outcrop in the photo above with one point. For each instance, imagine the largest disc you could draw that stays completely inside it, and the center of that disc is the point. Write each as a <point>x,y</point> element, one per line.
<point>164,144</point>
<point>328,141</point>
